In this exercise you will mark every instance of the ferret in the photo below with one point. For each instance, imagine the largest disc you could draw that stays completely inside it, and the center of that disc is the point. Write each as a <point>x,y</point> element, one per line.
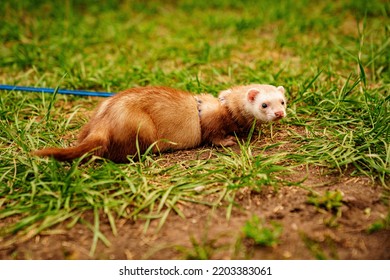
<point>163,119</point>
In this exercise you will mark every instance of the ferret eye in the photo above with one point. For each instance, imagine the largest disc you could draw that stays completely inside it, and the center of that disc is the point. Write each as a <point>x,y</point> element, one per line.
<point>264,105</point>
<point>282,102</point>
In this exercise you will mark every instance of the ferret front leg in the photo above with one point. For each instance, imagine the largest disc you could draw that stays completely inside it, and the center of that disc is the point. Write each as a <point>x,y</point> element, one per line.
<point>225,142</point>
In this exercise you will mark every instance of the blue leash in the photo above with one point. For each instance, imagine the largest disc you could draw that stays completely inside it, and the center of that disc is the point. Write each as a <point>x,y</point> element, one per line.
<point>51,90</point>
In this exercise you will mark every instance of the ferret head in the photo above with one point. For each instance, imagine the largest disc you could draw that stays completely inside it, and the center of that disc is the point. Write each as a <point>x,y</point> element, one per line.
<point>266,103</point>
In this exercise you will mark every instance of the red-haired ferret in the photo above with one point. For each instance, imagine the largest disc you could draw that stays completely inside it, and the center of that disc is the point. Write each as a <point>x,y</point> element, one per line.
<point>170,119</point>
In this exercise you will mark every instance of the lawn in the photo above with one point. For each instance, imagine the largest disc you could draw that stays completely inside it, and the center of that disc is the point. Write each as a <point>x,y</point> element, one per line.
<point>312,186</point>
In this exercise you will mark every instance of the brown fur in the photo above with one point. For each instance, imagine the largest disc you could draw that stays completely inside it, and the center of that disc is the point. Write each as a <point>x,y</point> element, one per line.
<point>165,117</point>
<point>169,119</point>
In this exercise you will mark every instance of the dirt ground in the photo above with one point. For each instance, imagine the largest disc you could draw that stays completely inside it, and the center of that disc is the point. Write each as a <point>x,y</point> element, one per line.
<point>305,236</point>
<point>308,232</point>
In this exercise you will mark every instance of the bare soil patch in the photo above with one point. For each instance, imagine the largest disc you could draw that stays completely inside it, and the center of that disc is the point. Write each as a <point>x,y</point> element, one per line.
<point>308,232</point>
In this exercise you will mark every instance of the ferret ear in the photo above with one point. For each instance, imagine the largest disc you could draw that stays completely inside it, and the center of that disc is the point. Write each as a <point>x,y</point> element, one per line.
<point>252,93</point>
<point>223,93</point>
<point>281,89</point>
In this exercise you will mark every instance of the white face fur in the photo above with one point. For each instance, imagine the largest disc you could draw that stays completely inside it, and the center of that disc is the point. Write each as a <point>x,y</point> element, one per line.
<point>267,104</point>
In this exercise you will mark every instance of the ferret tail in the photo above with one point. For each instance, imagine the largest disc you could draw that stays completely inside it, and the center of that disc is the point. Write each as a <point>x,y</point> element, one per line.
<point>68,154</point>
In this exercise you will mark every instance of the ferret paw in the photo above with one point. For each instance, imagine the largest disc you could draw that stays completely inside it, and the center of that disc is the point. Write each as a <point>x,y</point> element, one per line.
<point>227,142</point>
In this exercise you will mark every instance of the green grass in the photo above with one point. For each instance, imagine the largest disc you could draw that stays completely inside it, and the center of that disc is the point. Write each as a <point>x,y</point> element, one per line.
<point>380,224</point>
<point>262,234</point>
<point>320,250</point>
<point>332,57</point>
<point>331,201</point>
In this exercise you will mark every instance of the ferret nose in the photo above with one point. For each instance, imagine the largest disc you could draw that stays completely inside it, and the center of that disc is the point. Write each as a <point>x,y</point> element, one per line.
<point>279,114</point>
